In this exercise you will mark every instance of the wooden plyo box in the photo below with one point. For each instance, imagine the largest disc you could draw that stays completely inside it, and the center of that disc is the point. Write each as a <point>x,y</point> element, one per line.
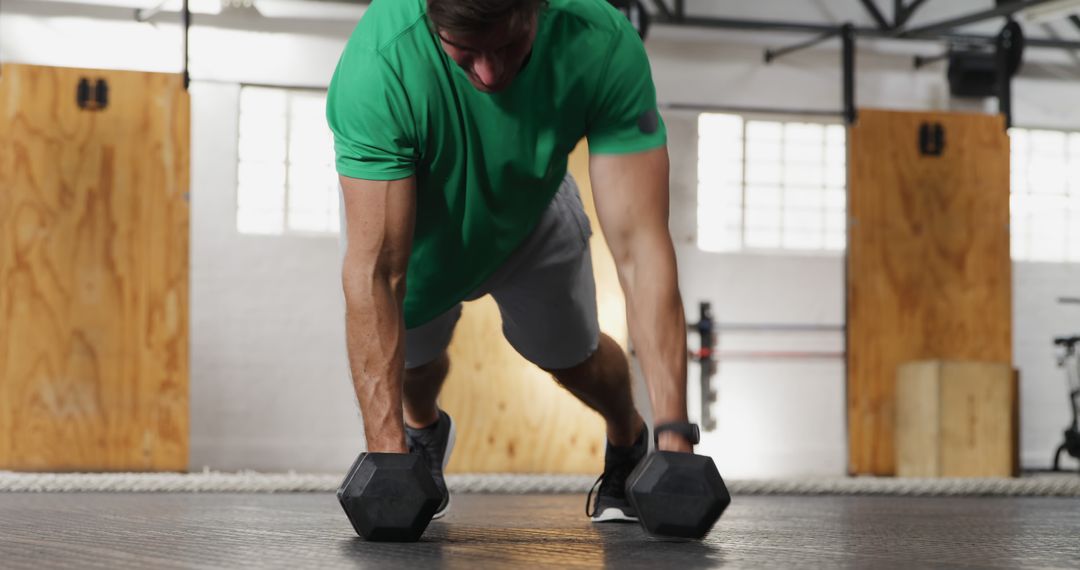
<point>956,419</point>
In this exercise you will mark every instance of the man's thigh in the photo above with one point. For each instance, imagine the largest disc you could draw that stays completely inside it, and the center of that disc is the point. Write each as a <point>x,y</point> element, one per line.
<point>548,300</point>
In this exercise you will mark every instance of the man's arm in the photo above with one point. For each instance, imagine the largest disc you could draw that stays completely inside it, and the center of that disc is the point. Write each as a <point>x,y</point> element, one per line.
<point>379,216</point>
<point>631,195</point>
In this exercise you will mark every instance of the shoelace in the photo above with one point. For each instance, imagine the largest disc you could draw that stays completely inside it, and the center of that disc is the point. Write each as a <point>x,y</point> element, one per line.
<point>421,447</point>
<point>610,477</point>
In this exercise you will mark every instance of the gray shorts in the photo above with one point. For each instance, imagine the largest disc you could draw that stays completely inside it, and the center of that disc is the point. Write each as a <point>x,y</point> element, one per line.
<point>545,292</point>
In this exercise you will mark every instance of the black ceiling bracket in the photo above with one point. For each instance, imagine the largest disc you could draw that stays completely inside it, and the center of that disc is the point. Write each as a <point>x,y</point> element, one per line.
<point>186,18</point>
<point>974,18</point>
<point>875,13</point>
<point>904,13</point>
<point>847,36</point>
<point>1009,46</point>
<point>772,55</point>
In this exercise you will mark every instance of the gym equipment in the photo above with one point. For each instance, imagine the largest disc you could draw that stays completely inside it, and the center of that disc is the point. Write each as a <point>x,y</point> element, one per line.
<point>678,495</point>
<point>706,329</point>
<point>1070,361</point>
<point>389,496</point>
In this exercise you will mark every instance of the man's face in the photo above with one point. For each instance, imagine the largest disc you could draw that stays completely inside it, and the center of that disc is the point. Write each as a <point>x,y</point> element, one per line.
<point>492,59</point>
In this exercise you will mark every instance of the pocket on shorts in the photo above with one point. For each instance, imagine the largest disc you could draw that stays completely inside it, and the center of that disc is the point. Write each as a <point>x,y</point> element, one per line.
<point>575,208</point>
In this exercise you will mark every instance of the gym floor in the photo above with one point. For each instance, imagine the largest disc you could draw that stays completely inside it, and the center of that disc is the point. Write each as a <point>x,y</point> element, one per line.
<point>118,530</point>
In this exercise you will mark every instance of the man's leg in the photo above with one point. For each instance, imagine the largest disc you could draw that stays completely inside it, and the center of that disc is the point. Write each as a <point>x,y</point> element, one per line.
<point>549,313</point>
<point>421,391</point>
<point>602,382</point>
<point>429,431</point>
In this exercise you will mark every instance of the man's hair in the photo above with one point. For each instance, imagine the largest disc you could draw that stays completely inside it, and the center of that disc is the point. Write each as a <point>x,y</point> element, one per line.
<point>478,16</point>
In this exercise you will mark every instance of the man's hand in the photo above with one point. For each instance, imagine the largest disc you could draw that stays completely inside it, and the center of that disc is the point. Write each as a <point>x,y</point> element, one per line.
<point>631,195</point>
<point>379,222</point>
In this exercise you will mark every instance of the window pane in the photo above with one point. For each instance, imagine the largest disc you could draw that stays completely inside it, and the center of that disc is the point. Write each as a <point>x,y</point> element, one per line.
<point>803,153</point>
<point>262,124</point>
<point>805,175</point>
<point>763,151</point>
<point>763,172</point>
<point>806,240</point>
<point>719,125</point>
<point>719,171</point>
<point>800,220</point>
<point>805,198</point>
<point>764,131</point>
<point>310,139</point>
<point>795,174</point>
<point>808,134</point>
<point>836,136</point>
<point>763,197</point>
<point>1047,143</point>
<point>835,241</point>
<point>763,218</point>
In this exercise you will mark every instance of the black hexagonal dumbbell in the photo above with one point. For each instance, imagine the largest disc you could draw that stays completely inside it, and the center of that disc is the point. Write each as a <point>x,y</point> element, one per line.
<point>389,496</point>
<point>678,495</point>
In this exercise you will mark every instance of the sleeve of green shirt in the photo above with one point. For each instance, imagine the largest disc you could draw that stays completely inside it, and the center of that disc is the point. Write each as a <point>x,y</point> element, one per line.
<point>624,118</point>
<point>367,110</point>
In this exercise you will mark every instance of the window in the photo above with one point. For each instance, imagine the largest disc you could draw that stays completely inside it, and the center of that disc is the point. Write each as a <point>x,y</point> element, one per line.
<point>286,177</point>
<point>770,185</point>
<point>1045,199</point>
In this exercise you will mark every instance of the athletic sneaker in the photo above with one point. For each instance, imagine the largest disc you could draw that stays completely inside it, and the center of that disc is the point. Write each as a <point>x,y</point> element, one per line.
<point>611,503</point>
<point>434,443</point>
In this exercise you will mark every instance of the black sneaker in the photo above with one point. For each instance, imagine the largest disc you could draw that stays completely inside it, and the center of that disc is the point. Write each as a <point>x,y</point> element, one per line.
<point>611,503</point>
<point>434,443</point>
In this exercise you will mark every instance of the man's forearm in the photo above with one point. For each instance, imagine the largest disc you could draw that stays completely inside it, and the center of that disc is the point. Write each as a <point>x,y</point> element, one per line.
<point>375,338</point>
<point>658,327</point>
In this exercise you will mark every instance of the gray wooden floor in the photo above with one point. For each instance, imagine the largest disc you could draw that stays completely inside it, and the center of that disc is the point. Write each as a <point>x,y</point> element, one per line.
<point>98,530</point>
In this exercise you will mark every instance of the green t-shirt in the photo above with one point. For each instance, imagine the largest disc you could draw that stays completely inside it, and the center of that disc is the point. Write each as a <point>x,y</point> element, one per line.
<point>486,165</point>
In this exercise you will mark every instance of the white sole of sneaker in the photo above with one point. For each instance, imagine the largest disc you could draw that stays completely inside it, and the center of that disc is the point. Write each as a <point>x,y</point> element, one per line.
<point>613,515</point>
<point>445,460</point>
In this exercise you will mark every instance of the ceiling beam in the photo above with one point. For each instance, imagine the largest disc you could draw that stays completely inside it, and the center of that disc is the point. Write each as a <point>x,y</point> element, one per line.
<point>973,18</point>
<point>864,32</point>
<point>875,13</point>
<point>909,11</point>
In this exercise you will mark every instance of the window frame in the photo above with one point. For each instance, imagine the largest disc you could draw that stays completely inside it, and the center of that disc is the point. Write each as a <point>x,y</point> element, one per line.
<point>778,251</point>
<point>285,229</point>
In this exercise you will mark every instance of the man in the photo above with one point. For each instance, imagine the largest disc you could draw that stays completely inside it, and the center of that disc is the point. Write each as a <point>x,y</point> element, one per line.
<point>453,120</point>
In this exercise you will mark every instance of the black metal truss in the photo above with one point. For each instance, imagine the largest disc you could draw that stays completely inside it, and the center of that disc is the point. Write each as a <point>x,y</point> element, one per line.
<point>939,31</point>
<point>875,13</point>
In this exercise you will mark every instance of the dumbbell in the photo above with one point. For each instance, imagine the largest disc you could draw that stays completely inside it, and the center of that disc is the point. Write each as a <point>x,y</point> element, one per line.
<point>389,496</point>
<point>678,495</point>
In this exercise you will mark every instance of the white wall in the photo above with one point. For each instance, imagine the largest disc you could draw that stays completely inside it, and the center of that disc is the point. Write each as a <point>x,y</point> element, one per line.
<point>269,380</point>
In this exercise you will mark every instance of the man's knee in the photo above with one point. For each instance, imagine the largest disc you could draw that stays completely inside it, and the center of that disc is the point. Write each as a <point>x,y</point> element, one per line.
<point>431,372</point>
<point>607,357</point>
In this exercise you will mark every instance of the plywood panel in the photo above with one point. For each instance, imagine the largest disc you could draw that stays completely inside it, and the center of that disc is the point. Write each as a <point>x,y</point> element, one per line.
<point>93,272</point>
<point>976,423</point>
<point>918,419</point>
<point>512,416</point>
<point>929,273</point>
<point>956,419</point>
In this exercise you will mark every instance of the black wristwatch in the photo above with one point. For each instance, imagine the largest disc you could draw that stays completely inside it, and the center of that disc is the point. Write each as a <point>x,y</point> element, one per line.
<point>688,430</point>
